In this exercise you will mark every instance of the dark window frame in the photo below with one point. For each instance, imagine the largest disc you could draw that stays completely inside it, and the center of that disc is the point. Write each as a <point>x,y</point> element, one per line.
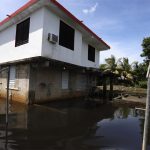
<point>22,32</point>
<point>66,35</point>
<point>91,53</point>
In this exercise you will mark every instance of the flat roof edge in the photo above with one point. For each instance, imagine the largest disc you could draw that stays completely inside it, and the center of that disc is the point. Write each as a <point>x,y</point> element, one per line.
<point>31,2</point>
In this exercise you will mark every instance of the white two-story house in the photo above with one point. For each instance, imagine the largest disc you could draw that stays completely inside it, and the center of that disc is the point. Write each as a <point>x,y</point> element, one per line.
<point>51,54</point>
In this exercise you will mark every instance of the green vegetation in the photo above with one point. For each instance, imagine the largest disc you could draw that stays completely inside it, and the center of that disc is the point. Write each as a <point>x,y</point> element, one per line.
<point>133,74</point>
<point>121,72</point>
<point>146,49</point>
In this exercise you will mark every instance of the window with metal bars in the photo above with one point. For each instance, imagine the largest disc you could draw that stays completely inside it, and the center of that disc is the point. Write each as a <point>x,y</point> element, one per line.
<point>91,53</point>
<point>66,36</point>
<point>22,32</point>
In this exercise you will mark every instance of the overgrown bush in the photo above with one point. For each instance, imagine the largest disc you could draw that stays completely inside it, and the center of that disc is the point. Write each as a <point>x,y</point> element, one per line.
<point>143,84</point>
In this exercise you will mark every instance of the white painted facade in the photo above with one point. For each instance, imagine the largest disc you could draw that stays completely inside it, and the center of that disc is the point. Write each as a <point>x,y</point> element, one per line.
<point>42,22</point>
<point>84,57</point>
<point>8,51</point>
<point>55,51</point>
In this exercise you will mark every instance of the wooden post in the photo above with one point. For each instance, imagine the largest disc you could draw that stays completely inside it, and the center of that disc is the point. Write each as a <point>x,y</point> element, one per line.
<point>6,137</point>
<point>7,108</point>
<point>146,123</point>
<point>7,104</point>
<point>104,87</point>
<point>7,96</point>
<point>111,87</point>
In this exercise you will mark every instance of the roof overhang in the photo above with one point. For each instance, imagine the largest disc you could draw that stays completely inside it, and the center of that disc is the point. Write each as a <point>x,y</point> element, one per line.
<point>21,13</point>
<point>88,35</point>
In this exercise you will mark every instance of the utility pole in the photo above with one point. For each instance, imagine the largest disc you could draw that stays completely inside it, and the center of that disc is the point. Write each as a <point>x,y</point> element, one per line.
<point>7,96</point>
<point>7,103</point>
<point>146,124</point>
<point>7,108</point>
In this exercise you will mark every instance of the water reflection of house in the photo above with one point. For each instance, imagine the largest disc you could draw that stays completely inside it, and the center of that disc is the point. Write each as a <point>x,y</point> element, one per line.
<point>50,53</point>
<point>17,115</point>
<point>57,128</point>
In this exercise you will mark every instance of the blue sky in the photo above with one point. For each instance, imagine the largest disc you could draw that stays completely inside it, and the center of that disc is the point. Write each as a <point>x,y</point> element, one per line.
<point>121,23</point>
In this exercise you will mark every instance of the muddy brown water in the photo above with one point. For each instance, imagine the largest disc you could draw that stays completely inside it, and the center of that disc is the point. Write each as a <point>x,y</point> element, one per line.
<point>71,126</point>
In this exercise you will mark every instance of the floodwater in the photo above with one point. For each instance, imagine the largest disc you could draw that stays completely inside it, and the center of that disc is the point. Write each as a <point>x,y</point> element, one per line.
<point>71,126</point>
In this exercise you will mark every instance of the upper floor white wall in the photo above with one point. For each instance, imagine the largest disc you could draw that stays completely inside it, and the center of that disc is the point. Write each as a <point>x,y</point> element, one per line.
<point>55,51</point>
<point>42,22</point>
<point>8,51</point>
<point>84,56</point>
<point>78,56</point>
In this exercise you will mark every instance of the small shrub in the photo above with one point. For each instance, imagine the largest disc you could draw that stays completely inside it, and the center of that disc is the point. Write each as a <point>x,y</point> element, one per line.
<point>143,84</point>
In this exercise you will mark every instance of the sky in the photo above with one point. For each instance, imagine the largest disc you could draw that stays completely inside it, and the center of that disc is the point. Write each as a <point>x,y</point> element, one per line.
<point>120,23</point>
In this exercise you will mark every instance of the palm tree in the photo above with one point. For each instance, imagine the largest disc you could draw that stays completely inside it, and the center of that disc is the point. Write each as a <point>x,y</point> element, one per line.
<point>112,65</point>
<point>126,69</point>
<point>135,71</point>
<point>111,68</point>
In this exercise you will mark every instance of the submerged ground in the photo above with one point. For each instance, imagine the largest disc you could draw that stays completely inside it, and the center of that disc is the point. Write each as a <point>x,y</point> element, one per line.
<point>71,126</point>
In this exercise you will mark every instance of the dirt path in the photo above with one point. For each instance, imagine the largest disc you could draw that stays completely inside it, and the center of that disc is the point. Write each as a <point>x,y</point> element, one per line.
<point>131,100</point>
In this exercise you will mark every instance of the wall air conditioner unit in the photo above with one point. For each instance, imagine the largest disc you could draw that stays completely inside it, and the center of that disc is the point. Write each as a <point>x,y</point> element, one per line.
<point>52,38</point>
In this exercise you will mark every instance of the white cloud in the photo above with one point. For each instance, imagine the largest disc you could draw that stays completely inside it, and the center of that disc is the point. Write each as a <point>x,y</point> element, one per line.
<point>90,10</point>
<point>85,11</point>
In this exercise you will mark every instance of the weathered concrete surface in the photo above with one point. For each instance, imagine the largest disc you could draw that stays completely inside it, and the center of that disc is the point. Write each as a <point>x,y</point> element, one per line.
<point>21,87</point>
<point>46,84</point>
<point>37,83</point>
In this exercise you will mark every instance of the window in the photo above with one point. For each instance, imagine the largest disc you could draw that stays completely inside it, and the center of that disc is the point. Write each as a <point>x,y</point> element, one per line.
<point>65,80</point>
<point>66,36</point>
<point>22,32</point>
<point>12,77</point>
<point>91,53</point>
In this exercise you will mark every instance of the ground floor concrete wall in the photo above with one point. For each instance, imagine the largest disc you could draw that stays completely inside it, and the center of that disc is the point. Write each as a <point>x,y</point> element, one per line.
<point>36,83</point>
<point>46,84</point>
<point>19,90</point>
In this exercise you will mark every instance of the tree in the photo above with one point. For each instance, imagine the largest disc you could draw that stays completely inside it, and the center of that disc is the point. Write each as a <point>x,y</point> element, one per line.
<point>111,68</point>
<point>126,69</point>
<point>146,48</point>
<point>112,65</point>
<point>140,70</point>
<point>139,74</point>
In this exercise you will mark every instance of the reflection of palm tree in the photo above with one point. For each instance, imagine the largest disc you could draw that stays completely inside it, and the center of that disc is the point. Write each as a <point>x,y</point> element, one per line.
<point>126,112</point>
<point>123,112</point>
